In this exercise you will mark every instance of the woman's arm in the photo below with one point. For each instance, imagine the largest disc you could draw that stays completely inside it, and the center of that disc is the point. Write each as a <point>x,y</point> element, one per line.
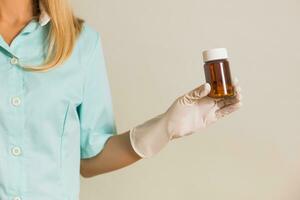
<point>116,154</point>
<point>189,113</point>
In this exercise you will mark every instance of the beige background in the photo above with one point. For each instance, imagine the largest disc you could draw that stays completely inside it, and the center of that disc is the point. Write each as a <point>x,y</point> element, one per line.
<point>153,54</point>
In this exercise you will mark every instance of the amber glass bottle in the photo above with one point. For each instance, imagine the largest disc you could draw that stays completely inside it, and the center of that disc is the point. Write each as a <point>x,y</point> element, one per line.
<point>217,73</point>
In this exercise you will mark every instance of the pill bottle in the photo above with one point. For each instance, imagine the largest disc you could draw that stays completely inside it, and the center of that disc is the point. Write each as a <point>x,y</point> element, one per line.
<point>217,73</point>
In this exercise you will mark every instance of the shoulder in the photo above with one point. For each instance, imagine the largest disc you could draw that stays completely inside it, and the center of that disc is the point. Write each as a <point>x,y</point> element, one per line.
<point>89,46</point>
<point>88,38</point>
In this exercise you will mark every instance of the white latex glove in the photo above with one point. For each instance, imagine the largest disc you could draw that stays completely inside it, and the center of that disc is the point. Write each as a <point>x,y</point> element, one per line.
<point>189,113</point>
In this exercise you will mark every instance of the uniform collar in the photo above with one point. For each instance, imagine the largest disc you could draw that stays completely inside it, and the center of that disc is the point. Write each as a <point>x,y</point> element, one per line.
<point>41,21</point>
<point>44,17</point>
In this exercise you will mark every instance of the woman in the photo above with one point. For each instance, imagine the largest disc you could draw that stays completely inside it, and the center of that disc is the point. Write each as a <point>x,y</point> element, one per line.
<point>56,115</point>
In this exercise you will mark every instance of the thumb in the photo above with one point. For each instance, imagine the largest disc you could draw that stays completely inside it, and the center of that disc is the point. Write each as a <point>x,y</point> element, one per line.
<point>196,94</point>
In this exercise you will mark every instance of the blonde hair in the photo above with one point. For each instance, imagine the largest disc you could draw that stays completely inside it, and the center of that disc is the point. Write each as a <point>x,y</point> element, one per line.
<point>63,33</point>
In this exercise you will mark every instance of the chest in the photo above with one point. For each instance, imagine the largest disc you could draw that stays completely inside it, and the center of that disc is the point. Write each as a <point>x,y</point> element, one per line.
<point>39,91</point>
<point>26,96</point>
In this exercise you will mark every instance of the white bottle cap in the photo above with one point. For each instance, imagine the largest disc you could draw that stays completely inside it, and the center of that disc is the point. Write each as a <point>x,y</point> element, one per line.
<point>215,54</point>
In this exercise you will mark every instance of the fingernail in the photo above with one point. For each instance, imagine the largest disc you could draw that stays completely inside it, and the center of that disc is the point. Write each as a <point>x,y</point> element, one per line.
<point>238,89</point>
<point>207,86</point>
<point>235,80</point>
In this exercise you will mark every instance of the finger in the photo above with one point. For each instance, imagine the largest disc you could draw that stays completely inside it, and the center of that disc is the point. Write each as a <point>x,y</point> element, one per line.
<point>237,92</point>
<point>228,109</point>
<point>229,101</point>
<point>239,96</point>
<point>235,81</point>
<point>197,93</point>
<point>238,89</point>
<point>236,85</point>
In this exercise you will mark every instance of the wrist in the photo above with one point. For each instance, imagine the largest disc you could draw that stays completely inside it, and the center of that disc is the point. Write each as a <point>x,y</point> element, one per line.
<point>148,138</point>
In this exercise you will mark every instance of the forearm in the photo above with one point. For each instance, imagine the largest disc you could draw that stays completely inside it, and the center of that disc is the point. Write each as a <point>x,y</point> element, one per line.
<point>116,154</point>
<point>189,113</point>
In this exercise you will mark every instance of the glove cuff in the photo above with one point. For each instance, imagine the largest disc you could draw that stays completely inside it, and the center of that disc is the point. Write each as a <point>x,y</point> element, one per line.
<point>150,137</point>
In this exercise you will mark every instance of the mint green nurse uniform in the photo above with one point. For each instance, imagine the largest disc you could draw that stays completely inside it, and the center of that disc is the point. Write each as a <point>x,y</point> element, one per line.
<point>51,120</point>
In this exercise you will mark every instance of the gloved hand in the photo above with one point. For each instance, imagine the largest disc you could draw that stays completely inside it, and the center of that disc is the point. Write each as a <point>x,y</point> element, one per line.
<point>189,113</point>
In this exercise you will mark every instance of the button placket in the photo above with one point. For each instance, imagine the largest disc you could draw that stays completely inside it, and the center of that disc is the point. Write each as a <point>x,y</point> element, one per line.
<point>15,101</point>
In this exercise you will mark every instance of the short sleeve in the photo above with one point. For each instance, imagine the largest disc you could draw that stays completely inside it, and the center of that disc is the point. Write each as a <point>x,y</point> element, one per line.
<point>97,123</point>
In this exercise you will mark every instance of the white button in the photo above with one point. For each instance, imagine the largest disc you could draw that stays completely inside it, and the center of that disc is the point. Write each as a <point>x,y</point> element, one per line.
<point>16,151</point>
<point>16,101</point>
<point>17,198</point>
<point>14,60</point>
